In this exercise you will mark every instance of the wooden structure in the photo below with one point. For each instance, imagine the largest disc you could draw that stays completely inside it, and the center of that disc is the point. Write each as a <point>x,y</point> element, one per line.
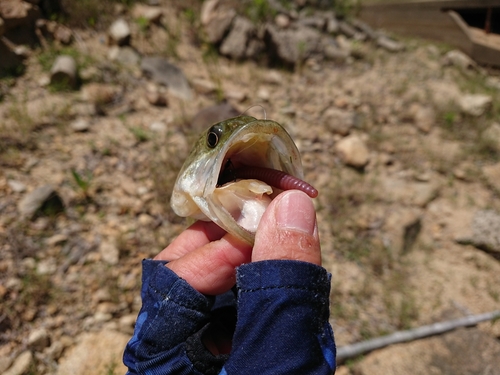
<point>470,25</point>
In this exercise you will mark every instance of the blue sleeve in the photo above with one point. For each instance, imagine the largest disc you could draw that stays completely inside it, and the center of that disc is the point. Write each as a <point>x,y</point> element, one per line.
<point>282,325</point>
<point>171,312</point>
<point>282,322</point>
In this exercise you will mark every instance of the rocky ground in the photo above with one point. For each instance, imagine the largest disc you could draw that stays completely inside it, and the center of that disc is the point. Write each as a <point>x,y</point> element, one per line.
<point>401,138</point>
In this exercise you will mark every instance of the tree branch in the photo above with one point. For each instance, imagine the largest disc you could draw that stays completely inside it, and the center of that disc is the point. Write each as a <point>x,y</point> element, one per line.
<point>363,347</point>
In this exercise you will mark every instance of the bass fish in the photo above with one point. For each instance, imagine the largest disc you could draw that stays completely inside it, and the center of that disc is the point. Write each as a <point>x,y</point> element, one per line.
<point>235,169</point>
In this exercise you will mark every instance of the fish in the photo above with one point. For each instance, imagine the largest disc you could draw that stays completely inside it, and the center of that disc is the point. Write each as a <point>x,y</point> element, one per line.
<point>233,172</point>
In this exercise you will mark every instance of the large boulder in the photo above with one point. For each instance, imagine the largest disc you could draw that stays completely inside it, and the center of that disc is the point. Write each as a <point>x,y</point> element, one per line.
<point>292,45</point>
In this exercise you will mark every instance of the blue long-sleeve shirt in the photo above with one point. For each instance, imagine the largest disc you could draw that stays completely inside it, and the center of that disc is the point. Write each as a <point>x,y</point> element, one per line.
<point>279,317</point>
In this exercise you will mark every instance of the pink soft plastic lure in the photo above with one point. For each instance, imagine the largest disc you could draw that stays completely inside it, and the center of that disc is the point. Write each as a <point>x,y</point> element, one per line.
<point>273,177</point>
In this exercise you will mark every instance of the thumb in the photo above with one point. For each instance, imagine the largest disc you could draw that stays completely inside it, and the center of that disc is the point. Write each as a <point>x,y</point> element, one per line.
<point>288,230</point>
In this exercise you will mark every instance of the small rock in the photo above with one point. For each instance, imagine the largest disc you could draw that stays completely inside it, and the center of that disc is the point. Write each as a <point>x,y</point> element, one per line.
<point>44,80</point>
<point>273,77</point>
<point>365,28</point>
<point>332,24</point>
<point>424,117</point>
<point>42,198</point>
<point>459,59</point>
<point>389,44</point>
<point>338,121</point>
<point>152,14</point>
<point>101,295</point>
<point>29,263</point>
<point>5,362</point>
<point>203,86</point>
<point>263,94</point>
<point>64,71</point>
<point>109,253</point>
<point>493,82</point>
<point>216,18</point>
<point>402,225</point>
<point>55,350</point>
<point>106,308</point>
<point>235,44</point>
<point>236,95</point>
<point>56,239</point>
<point>38,340</point>
<point>127,323</point>
<point>347,29</point>
<point>80,125</point>
<point>63,34</point>
<point>335,51</point>
<point>485,228</point>
<point>119,32</point>
<point>282,21</point>
<point>51,30</point>
<point>156,98</point>
<point>99,93</point>
<point>492,174</point>
<point>158,127</point>
<point>443,94</point>
<point>124,55</point>
<point>164,73</point>
<point>353,151</point>
<point>145,219</point>
<point>46,267</point>
<point>95,353</point>
<point>492,136</point>
<point>475,104</point>
<point>101,317</point>
<point>16,186</point>
<point>465,171</point>
<point>21,364</point>
<point>393,189</point>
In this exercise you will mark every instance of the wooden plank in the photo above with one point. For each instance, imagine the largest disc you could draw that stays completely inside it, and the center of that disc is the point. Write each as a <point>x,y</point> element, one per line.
<point>427,23</point>
<point>485,47</point>
<point>435,4</point>
<point>432,19</point>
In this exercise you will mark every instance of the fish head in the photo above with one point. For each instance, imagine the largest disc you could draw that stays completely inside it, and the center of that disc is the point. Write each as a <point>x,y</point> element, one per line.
<point>236,206</point>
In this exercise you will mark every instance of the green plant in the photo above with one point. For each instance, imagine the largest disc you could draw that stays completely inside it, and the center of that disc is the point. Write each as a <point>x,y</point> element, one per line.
<point>83,182</point>
<point>140,134</point>
<point>449,119</point>
<point>259,11</point>
<point>143,23</point>
<point>111,368</point>
<point>346,8</point>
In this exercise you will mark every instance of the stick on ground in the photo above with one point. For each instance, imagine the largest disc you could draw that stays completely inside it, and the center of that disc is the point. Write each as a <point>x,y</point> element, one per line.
<point>354,350</point>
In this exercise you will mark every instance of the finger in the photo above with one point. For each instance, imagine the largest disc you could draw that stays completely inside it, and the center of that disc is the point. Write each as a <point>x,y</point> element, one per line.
<point>288,230</point>
<point>197,235</point>
<point>210,269</point>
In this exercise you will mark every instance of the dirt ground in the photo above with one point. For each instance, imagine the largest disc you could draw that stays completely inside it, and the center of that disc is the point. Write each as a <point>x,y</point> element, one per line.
<point>389,229</point>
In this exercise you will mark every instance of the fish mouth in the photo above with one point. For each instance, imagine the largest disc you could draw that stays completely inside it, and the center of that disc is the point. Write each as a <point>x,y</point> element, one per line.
<point>258,161</point>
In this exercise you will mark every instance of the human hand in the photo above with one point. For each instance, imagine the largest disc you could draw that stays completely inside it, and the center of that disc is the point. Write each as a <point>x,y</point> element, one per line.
<point>206,256</point>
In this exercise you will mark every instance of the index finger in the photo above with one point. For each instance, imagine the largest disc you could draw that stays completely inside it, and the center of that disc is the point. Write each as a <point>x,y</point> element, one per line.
<point>194,237</point>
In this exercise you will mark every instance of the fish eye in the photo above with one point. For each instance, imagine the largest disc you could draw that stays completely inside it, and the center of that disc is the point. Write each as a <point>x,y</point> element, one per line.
<point>213,136</point>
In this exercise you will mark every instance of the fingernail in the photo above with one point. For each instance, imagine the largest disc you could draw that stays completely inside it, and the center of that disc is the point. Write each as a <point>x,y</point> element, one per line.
<point>295,211</point>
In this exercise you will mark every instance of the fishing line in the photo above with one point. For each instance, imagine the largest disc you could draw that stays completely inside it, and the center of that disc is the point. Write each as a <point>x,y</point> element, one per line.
<point>256,105</point>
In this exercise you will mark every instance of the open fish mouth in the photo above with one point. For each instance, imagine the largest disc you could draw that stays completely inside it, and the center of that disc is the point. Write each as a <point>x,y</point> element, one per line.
<point>234,172</point>
<point>258,162</point>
